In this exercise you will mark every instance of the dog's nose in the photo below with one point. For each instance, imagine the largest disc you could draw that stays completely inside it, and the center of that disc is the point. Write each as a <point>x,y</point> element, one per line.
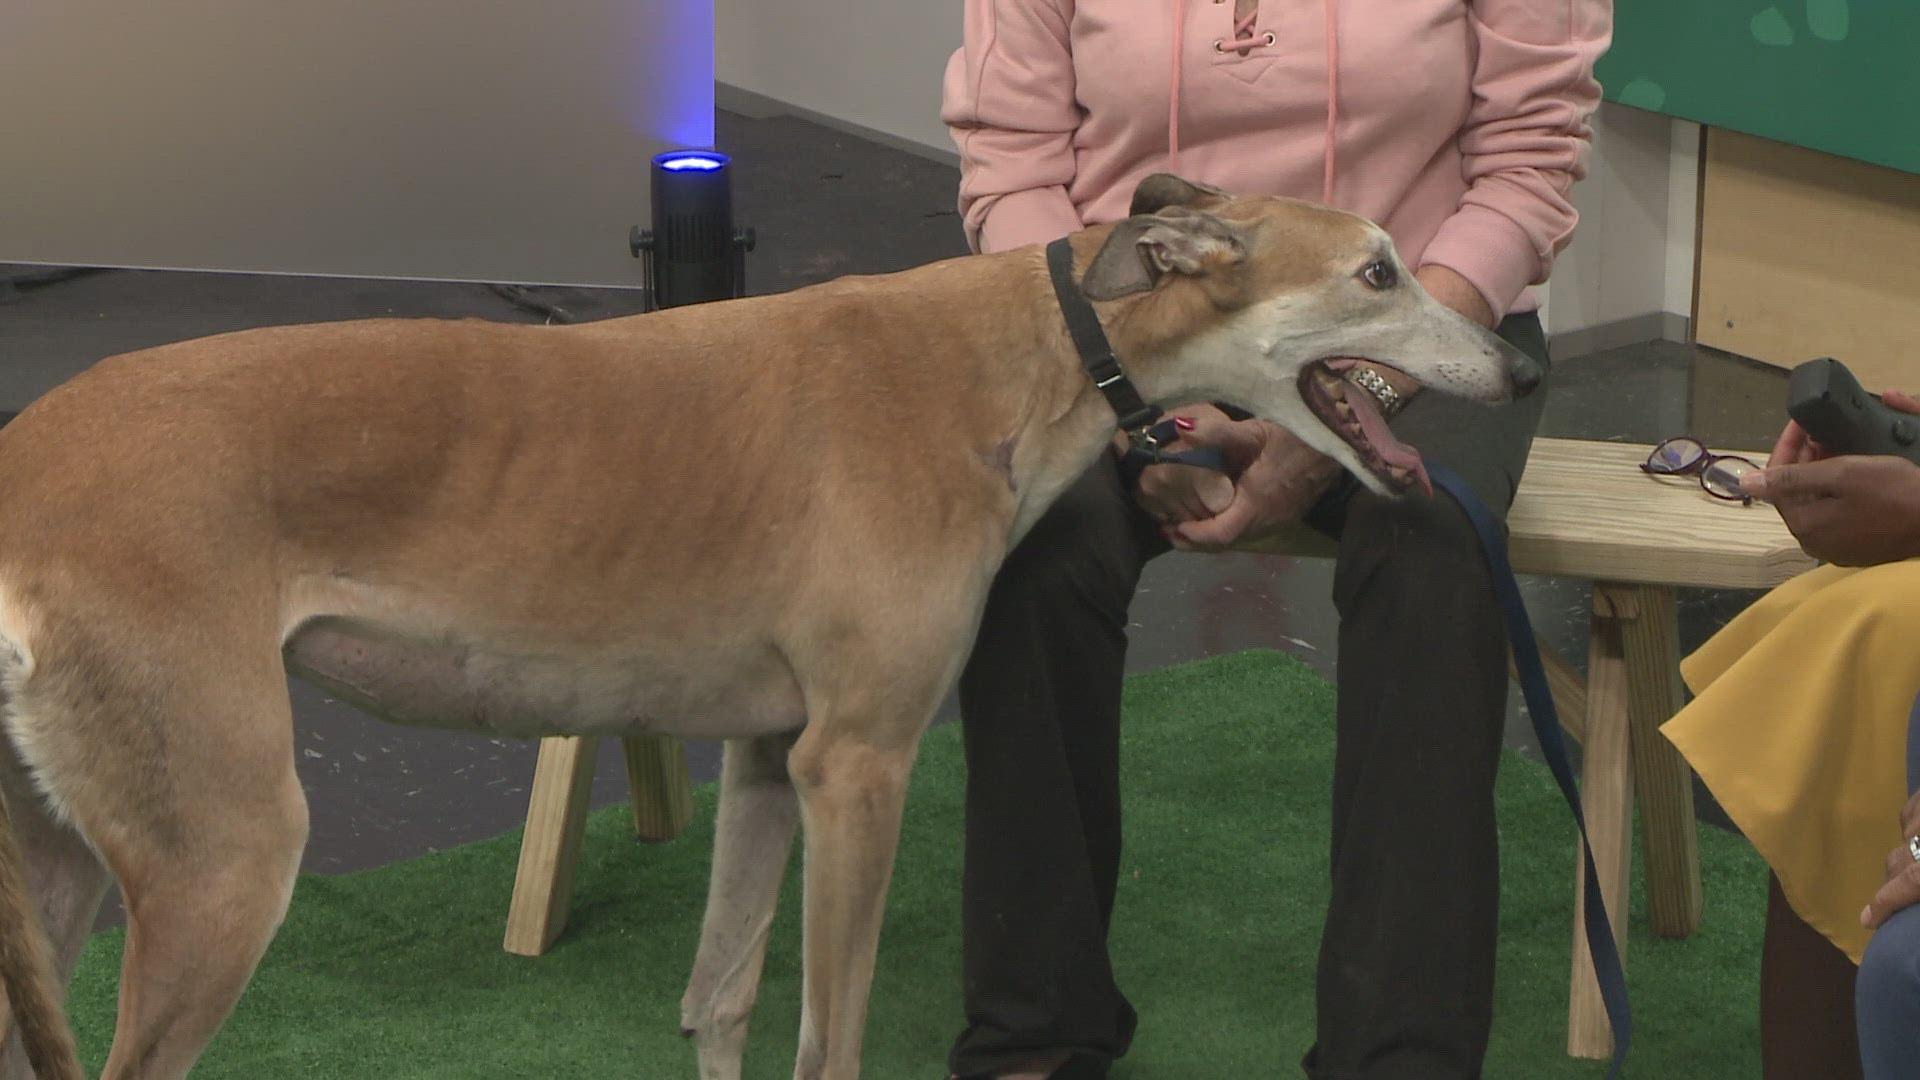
<point>1524,374</point>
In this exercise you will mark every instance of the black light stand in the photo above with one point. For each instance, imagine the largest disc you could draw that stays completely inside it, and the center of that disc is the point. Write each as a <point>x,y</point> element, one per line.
<point>693,253</point>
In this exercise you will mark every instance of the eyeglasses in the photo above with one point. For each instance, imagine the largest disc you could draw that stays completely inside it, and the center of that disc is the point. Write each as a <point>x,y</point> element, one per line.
<point>1719,473</point>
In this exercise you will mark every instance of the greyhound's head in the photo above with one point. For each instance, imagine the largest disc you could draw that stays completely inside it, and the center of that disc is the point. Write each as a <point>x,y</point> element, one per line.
<point>1264,302</point>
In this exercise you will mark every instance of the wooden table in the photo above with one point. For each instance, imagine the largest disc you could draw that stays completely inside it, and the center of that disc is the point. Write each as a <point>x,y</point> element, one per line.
<point>1584,510</point>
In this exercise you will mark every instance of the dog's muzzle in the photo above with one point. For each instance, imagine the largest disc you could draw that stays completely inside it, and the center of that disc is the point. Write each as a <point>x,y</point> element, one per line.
<point>1523,374</point>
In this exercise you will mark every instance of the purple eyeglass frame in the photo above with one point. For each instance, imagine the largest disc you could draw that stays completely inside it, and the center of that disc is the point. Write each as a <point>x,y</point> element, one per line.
<point>1699,467</point>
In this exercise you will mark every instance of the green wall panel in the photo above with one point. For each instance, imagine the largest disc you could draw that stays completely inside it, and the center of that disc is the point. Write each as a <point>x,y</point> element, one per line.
<point>1841,76</point>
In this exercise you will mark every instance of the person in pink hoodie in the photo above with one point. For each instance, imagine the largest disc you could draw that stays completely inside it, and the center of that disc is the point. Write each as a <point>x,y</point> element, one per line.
<point>1459,126</point>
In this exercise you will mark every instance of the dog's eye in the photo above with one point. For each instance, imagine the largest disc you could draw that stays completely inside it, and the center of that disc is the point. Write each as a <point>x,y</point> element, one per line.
<point>1380,275</point>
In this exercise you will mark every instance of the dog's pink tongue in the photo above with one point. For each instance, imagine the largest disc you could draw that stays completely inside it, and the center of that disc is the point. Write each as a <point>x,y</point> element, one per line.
<point>1391,450</point>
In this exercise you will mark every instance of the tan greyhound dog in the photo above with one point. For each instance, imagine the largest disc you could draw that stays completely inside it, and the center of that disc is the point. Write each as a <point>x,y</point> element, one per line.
<point>772,520</point>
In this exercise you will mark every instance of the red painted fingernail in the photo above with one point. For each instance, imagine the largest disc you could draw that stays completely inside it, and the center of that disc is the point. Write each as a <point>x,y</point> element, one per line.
<point>1183,423</point>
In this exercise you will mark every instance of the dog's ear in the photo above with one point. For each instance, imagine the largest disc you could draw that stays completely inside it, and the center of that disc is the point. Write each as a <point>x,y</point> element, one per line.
<point>1143,248</point>
<point>1161,190</point>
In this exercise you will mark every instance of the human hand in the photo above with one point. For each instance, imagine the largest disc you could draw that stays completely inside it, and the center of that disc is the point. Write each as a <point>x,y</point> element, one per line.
<point>1456,292</point>
<point>1171,494</point>
<point>1848,510</point>
<point>1902,888</point>
<point>1796,447</point>
<point>1276,478</point>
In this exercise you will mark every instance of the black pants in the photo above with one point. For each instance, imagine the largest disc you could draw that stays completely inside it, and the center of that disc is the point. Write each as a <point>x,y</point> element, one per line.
<point>1405,982</point>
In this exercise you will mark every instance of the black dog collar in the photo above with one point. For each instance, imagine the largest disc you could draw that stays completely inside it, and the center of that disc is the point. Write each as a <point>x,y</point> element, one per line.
<point>1146,433</point>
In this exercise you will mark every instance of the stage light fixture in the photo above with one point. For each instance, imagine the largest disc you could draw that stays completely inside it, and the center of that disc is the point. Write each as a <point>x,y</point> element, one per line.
<point>693,253</point>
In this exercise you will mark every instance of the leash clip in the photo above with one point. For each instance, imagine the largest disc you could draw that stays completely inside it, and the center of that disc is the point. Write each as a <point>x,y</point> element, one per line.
<point>1144,440</point>
<point>1147,445</point>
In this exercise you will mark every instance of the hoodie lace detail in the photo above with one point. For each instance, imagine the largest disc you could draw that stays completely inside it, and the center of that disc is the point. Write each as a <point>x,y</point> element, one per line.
<point>1244,40</point>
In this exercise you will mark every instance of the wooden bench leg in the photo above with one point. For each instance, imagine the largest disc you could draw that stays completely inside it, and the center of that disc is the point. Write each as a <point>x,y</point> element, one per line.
<point>662,790</point>
<point>1568,689</point>
<point>1662,780</point>
<point>1607,791</point>
<point>550,850</point>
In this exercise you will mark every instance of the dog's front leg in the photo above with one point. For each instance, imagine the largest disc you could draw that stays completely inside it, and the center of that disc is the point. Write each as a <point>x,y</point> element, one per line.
<point>852,789</point>
<point>753,837</point>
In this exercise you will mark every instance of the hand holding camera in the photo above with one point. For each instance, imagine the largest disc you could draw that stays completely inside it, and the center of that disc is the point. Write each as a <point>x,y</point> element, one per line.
<point>1845,474</point>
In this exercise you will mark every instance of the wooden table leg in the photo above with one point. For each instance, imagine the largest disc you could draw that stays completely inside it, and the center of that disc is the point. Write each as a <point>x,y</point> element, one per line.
<point>662,790</point>
<point>550,850</point>
<point>1607,793</point>
<point>1568,689</point>
<point>1663,782</point>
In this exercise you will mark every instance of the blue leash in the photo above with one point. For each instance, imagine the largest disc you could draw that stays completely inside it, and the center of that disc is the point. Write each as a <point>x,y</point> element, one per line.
<point>1546,727</point>
<point>1149,436</point>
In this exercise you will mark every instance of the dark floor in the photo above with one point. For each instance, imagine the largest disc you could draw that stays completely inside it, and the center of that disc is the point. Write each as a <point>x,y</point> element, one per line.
<point>823,204</point>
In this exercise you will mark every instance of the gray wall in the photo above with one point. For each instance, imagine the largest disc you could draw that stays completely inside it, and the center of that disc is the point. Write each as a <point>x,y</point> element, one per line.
<point>383,138</point>
<point>870,65</point>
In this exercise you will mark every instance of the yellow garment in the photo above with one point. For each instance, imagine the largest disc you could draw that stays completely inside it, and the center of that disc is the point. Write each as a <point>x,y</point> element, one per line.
<point>1800,730</point>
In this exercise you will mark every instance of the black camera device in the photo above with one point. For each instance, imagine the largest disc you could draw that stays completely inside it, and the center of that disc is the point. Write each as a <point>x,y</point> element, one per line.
<point>1829,403</point>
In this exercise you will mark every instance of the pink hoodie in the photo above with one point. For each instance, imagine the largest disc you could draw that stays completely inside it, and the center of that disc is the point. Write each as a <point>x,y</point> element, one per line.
<point>1458,125</point>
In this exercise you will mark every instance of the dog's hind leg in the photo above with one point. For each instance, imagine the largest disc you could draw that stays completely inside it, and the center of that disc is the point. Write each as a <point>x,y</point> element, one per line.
<point>200,916</point>
<point>65,878</point>
<point>176,761</point>
<point>753,838</point>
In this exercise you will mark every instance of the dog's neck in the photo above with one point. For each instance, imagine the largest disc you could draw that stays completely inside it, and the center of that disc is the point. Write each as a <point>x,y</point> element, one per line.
<point>1066,421</point>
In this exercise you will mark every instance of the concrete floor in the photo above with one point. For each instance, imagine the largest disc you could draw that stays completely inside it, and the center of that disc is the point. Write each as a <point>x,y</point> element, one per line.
<point>823,204</point>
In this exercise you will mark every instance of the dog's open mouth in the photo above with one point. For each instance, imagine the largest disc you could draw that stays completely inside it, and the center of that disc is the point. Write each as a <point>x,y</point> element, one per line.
<point>1352,413</point>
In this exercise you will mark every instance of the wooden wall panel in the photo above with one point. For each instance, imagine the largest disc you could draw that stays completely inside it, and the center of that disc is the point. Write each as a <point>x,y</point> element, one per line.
<point>1803,254</point>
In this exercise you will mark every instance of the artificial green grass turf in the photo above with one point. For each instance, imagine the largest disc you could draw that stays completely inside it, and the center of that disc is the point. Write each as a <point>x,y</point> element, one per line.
<point>398,972</point>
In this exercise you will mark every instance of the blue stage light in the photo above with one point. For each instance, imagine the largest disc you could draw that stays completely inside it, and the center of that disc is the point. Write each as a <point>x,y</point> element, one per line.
<point>693,253</point>
<point>695,160</point>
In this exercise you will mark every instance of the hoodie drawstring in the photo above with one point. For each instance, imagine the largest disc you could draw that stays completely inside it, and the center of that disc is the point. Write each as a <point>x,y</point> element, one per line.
<point>1173,97</point>
<point>1244,39</point>
<point>1333,98</point>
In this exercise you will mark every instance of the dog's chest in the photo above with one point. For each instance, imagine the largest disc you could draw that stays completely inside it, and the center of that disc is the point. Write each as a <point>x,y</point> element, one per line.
<point>725,692</point>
